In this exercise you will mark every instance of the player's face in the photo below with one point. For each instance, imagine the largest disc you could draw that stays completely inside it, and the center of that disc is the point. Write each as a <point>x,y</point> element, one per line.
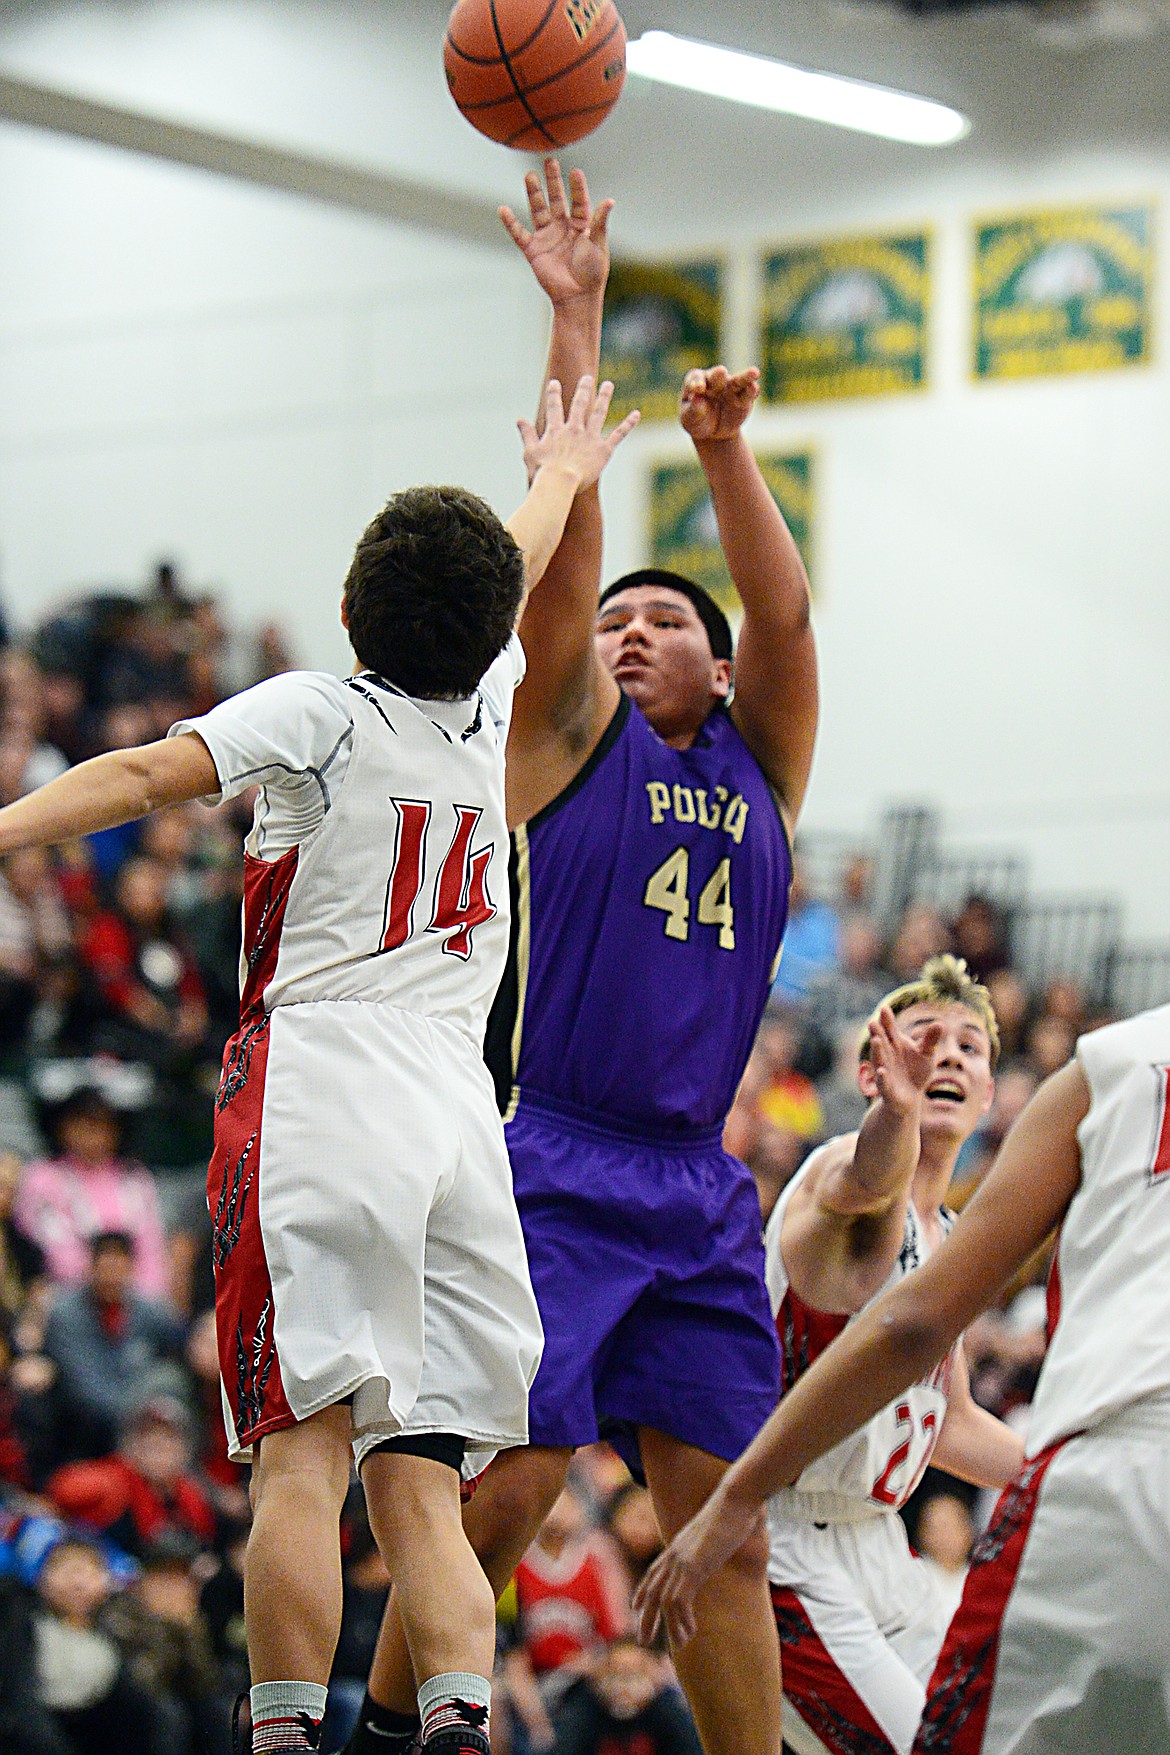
<point>960,1088</point>
<point>655,646</point>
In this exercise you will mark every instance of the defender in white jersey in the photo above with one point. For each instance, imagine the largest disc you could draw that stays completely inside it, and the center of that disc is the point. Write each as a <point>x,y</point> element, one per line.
<point>860,1619</point>
<point>1059,1646</point>
<point>371,1281</point>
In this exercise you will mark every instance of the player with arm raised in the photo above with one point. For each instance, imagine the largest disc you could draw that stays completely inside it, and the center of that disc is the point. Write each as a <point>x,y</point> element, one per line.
<point>650,869</point>
<point>1059,1643</point>
<point>371,1282</point>
<point>860,1619</point>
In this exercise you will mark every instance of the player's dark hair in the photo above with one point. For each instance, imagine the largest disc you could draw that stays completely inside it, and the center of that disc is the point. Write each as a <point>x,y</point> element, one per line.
<point>432,596</point>
<point>712,617</point>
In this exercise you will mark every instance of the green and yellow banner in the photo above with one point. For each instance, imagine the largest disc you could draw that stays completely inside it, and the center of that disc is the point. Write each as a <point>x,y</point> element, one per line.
<point>846,317</point>
<point>661,320</point>
<point>683,532</point>
<point>1063,290</point>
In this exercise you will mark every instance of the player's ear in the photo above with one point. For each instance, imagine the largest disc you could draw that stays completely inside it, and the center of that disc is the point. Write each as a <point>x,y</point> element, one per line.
<point>344,613</point>
<point>721,680</point>
<point>989,1099</point>
<point>866,1080</point>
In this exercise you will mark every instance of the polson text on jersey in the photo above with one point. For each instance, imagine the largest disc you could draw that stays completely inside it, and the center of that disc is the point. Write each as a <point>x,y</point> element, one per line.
<point>689,804</point>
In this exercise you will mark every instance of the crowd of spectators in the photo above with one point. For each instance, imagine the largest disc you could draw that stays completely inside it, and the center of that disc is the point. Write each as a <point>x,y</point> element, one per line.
<point>122,1522</point>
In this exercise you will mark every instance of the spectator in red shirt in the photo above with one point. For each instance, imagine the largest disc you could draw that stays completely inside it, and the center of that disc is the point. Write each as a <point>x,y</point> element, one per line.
<point>146,1489</point>
<point>144,970</point>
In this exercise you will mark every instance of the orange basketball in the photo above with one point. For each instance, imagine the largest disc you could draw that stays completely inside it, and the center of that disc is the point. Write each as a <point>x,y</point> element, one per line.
<point>535,74</point>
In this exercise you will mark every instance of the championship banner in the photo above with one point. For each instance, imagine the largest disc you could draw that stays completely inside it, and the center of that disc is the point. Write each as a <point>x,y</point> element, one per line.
<point>661,319</point>
<point>846,317</point>
<point>1065,290</point>
<point>683,532</point>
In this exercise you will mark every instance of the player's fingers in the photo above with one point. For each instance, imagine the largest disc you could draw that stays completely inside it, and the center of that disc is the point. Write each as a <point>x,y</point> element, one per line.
<point>599,224</point>
<point>601,404</point>
<point>528,433</point>
<point>519,234</point>
<point>554,182</point>
<point>537,200</point>
<point>624,429</point>
<point>718,379</point>
<point>578,197</point>
<point>695,382</point>
<point>582,401</point>
<point>554,405</point>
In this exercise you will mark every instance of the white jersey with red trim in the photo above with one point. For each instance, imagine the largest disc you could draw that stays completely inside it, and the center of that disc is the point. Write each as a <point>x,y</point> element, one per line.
<point>1109,1293</point>
<point>877,1468</point>
<point>377,864</point>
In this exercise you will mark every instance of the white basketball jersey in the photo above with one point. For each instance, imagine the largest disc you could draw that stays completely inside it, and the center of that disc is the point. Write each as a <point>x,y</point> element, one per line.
<point>377,864</point>
<point>877,1468</point>
<point>1109,1293</point>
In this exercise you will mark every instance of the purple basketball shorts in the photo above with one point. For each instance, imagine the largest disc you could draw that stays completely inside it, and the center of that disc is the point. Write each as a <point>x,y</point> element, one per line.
<point>647,1261</point>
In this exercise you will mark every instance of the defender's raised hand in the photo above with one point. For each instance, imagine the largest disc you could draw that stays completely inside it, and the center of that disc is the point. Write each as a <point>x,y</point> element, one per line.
<point>568,246</point>
<point>715,403</point>
<point>577,440</point>
<point>902,1065</point>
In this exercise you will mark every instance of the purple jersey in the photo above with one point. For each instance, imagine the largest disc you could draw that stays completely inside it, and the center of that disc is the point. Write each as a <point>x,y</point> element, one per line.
<point>650,899</point>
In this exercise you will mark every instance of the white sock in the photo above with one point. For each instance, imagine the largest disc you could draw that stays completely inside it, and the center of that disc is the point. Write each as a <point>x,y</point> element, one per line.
<point>457,1700</point>
<point>284,1715</point>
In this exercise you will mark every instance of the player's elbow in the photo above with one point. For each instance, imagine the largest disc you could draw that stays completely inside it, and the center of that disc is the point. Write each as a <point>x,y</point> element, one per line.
<point>137,771</point>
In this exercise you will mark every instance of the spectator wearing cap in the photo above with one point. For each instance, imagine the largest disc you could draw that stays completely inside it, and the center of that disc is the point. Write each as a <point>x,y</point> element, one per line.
<point>88,1187</point>
<point>147,1489</point>
<point>104,1339</point>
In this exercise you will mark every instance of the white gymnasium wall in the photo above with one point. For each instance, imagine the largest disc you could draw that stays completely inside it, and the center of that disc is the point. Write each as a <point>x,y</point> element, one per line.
<point>992,565</point>
<point>237,377</point>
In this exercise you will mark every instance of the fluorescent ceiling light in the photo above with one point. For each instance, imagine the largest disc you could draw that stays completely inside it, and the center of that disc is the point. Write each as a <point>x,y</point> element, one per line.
<point>773,85</point>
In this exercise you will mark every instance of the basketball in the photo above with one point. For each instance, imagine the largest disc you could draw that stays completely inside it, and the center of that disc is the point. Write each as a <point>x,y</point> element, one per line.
<point>535,74</point>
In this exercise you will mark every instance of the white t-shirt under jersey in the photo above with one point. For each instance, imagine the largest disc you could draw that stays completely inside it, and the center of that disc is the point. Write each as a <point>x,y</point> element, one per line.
<point>1109,1295</point>
<point>385,815</point>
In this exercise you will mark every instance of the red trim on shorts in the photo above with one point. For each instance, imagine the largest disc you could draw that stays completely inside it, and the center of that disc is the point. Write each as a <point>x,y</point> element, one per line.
<point>958,1698</point>
<point>244,1307</point>
<point>818,1688</point>
<point>804,1334</point>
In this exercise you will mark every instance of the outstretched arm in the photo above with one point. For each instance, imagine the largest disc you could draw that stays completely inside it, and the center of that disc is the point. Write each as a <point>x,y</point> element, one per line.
<point>890,1345</point>
<point>110,789</point>
<point>776,703</point>
<point>564,457</point>
<point>567,696</point>
<point>844,1225</point>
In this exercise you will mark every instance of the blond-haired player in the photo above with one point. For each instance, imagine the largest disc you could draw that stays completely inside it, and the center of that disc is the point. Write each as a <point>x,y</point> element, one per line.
<point>1059,1644</point>
<point>860,1619</point>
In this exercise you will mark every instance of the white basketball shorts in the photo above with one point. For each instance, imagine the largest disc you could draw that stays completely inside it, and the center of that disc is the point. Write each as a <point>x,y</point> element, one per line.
<point>366,1241</point>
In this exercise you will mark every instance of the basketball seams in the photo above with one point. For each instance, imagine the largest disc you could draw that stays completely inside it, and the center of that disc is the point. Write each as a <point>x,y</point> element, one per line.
<point>514,140</point>
<point>502,57</point>
<point>542,84</point>
<point>507,61</point>
<point>510,115</point>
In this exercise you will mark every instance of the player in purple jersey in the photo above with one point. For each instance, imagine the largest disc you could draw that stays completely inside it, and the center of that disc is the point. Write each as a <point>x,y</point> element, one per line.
<point>650,874</point>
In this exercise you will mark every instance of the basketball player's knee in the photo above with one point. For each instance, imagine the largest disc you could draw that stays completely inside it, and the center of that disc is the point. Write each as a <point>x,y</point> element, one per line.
<point>520,1500</point>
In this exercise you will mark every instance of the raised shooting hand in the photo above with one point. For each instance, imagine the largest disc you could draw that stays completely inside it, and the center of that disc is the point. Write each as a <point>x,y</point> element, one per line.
<point>567,247</point>
<point>715,403</point>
